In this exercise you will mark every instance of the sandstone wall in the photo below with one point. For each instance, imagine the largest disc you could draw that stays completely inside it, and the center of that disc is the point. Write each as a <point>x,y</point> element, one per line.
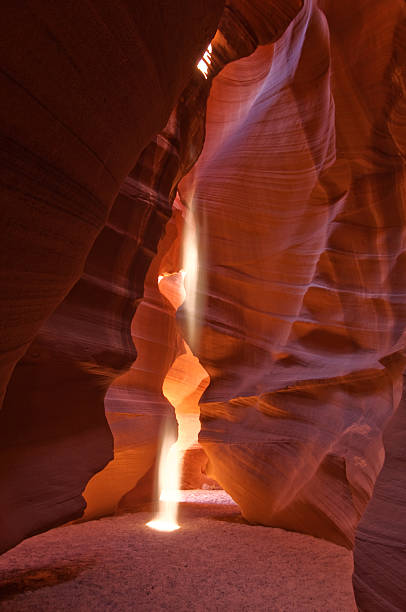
<point>299,194</point>
<point>84,89</point>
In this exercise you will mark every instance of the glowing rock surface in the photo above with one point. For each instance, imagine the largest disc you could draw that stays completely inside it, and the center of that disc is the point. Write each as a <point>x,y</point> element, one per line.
<point>299,199</point>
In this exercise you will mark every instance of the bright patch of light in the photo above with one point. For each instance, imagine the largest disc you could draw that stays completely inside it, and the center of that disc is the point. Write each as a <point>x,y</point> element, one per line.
<point>164,275</point>
<point>168,481</point>
<point>205,62</point>
<point>175,288</point>
<point>159,525</point>
<point>191,274</point>
<point>169,496</point>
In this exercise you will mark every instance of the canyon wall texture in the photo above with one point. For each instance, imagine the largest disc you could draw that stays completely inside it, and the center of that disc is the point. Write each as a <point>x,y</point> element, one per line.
<point>380,543</point>
<point>298,199</point>
<point>85,88</point>
<point>136,408</point>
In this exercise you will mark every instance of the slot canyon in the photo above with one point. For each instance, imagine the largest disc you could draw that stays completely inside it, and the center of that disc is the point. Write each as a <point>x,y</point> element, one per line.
<point>203,305</point>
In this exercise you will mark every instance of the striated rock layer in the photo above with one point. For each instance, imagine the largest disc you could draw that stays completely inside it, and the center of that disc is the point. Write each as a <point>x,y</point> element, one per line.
<point>136,408</point>
<point>299,194</point>
<point>86,88</point>
<point>380,543</point>
<point>299,200</point>
<point>87,343</point>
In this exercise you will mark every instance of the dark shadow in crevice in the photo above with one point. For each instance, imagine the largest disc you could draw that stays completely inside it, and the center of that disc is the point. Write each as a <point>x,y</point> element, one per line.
<point>33,579</point>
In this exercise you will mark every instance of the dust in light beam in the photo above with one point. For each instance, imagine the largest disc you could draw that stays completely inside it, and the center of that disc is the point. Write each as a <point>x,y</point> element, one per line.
<point>168,482</point>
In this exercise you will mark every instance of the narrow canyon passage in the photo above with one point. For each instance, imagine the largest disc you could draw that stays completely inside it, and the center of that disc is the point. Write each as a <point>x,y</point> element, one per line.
<point>213,556</point>
<point>183,386</point>
<point>202,305</point>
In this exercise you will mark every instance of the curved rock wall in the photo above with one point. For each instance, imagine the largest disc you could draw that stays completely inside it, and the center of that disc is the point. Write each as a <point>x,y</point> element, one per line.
<point>136,409</point>
<point>85,88</point>
<point>299,196</point>
<point>380,542</point>
<point>135,404</point>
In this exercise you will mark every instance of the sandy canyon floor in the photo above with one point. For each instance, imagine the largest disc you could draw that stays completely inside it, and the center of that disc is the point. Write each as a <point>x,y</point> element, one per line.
<point>214,562</point>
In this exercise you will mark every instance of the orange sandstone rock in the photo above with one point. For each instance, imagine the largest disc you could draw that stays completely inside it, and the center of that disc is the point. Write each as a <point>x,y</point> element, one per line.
<point>298,194</point>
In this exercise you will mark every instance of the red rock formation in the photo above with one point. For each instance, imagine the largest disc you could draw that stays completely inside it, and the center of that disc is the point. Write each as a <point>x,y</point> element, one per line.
<point>298,194</point>
<point>135,404</point>
<point>299,198</point>
<point>137,407</point>
<point>380,543</point>
<point>85,88</point>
